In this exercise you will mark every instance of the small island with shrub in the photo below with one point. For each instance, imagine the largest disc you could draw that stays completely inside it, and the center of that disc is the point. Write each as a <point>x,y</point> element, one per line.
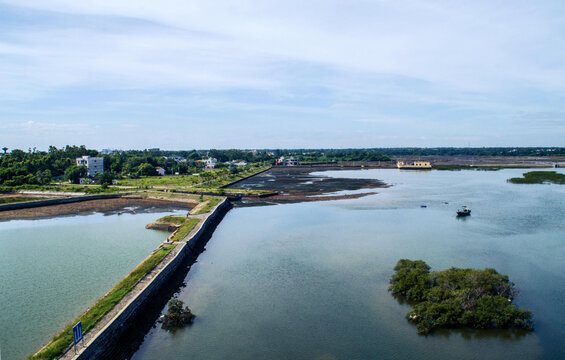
<point>457,298</point>
<point>177,316</point>
<point>539,177</point>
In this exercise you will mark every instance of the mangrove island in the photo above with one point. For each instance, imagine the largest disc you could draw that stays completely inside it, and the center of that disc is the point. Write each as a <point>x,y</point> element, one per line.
<point>457,297</point>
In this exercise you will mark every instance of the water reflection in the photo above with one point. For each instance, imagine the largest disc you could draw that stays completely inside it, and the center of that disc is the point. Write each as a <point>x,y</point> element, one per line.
<point>307,281</point>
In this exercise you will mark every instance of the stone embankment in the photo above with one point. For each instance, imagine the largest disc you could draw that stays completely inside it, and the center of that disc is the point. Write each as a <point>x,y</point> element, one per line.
<point>101,342</point>
<point>245,178</point>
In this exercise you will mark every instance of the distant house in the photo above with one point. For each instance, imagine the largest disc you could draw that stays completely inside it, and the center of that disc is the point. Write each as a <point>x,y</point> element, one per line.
<point>160,171</point>
<point>211,163</point>
<point>176,158</point>
<point>237,163</point>
<point>111,151</point>
<point>288,162</point>
<point>93,164</point>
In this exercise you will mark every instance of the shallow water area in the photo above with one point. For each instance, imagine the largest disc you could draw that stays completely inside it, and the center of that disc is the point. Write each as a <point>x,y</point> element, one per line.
<point>53,269</point>
<point>309,280</point>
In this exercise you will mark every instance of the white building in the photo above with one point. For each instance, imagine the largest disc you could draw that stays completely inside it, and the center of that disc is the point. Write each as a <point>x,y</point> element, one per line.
<point>160,171</point>
<point>288,162</point>
<point>210,163</point>
<point>93,164</point>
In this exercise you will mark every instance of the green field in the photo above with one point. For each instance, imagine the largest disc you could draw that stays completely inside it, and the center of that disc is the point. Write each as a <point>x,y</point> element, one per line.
<point>207,179</point>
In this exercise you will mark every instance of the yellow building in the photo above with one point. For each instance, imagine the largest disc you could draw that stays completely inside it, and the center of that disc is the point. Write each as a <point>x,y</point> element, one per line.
<point>414,165</point>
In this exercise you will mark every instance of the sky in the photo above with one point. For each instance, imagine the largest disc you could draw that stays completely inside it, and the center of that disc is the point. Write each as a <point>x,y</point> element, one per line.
<point>181,74</point>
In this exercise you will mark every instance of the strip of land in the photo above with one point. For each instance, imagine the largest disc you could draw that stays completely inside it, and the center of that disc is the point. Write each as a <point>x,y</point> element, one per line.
<point>96,318</point>
<point>106,206</point>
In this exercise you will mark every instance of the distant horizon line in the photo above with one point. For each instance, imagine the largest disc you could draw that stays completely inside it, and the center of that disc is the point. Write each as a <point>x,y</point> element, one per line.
<point>293,148</point>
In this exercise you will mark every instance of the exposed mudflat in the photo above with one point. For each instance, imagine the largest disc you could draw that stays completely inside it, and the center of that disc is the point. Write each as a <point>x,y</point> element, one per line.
<point>297,184</point>
<point>105,206</point>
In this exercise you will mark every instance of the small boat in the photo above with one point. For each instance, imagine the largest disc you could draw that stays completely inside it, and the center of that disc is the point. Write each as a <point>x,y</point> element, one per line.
<point>423,206</point>
<point>465,211</point>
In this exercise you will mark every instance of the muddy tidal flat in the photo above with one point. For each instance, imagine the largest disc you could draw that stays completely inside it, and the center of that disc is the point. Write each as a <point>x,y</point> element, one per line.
<point>106,206</point>
<point>301,184</point>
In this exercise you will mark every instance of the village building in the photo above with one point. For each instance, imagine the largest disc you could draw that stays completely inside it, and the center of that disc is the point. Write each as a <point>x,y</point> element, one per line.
<point>93,164</point>
<point>288,162</point>
<point>210,163</point>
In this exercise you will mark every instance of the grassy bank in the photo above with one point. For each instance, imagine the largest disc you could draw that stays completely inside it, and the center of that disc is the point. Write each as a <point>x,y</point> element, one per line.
<point>539,177</point>
<point>18,199</point>
<point>184,229</point>
<point>171,219</point>
<point>210,203</point>
<point>93,315</point>
<point>88,189</point>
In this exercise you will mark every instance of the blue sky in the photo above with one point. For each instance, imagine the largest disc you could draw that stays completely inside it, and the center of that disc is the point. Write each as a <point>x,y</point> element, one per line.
<point>281,74</point>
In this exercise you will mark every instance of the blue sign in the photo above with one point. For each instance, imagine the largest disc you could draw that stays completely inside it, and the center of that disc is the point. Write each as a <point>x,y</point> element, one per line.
<point>77,332</point>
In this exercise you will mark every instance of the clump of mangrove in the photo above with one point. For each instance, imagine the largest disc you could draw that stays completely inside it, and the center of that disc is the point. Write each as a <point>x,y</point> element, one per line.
<point>539,177</point>
<point>457,297</point>
<point>177,316</point>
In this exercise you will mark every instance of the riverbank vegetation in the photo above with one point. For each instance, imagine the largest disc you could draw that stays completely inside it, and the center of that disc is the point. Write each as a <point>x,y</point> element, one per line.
<point>93,315</point>
<point>207,205</point>
<point>539,177</point>
<point>187,225</point>
<point>18,199</point>
<point>171,219</point>
<point>457,297</point>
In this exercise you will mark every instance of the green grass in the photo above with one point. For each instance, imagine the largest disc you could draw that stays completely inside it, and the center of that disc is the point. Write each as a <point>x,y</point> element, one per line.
<point>539,177</point>
<point>209,205</point>
<point>185,228</point>
<point>210,181</point>
<point>228,178</point>
<point>93,315</point>
<point>89,189</point>
<point>171,219</point>
<point>164,181</point>
<point>18,199</point>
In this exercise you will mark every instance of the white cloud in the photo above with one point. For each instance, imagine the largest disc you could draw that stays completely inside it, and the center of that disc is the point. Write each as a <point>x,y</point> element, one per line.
<point>351,60</point>
<point>475,46</point>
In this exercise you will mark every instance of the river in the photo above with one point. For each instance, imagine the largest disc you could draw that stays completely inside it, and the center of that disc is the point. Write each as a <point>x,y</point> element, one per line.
<point>309,280</point>
<point>51,270</point>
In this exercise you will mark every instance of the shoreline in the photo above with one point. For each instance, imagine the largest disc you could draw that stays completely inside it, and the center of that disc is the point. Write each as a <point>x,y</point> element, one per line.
<point>147,298</point>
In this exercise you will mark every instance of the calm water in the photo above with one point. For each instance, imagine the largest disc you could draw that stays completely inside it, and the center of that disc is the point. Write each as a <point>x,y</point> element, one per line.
<point>51,270</point>
<point>309,281</point>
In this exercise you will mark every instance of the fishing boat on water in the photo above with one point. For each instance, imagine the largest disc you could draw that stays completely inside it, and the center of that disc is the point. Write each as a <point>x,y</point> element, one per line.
<point>465,211</point>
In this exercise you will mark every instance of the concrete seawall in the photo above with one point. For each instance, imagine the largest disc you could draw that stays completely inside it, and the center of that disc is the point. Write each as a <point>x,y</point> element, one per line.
<point>142,306</point>
<point>33,204</point>
<point>245,178</point>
